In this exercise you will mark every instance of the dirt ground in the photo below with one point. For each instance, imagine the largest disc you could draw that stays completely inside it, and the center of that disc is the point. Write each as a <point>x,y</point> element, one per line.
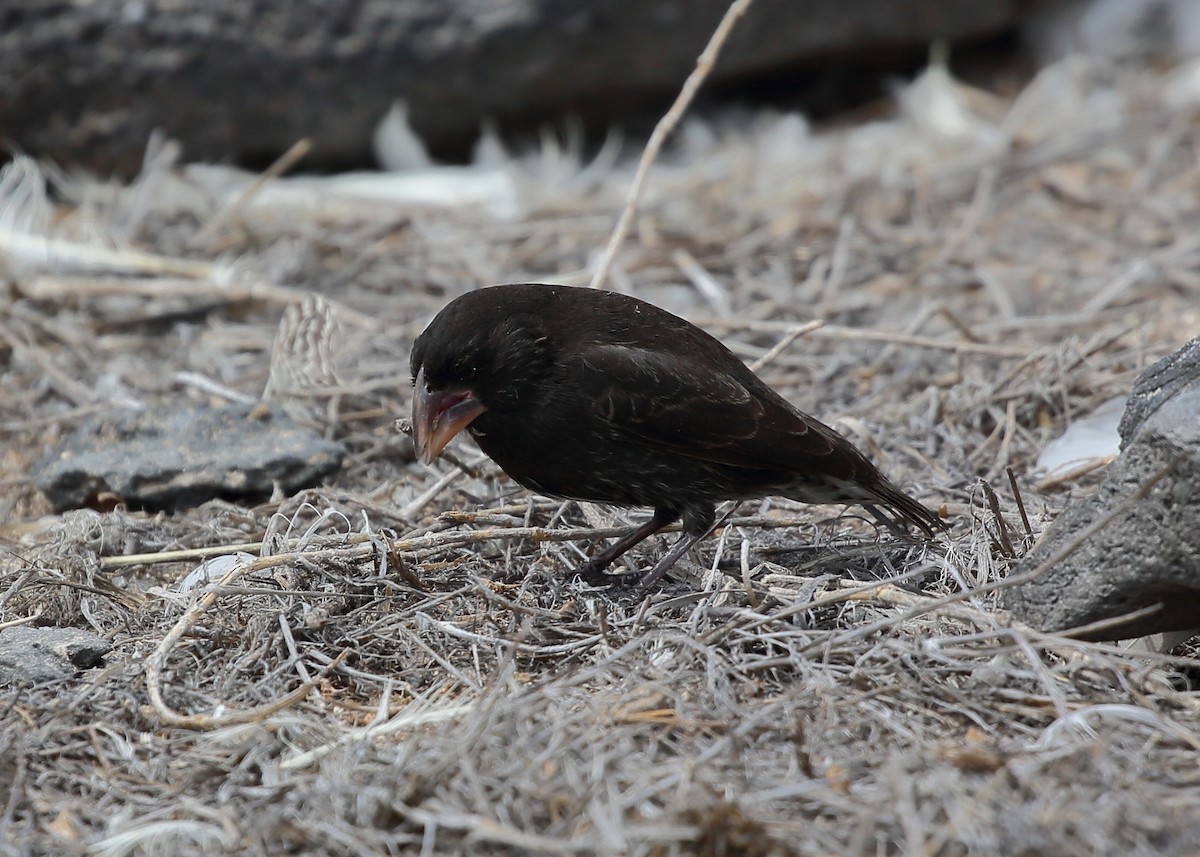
<point>400,661</point>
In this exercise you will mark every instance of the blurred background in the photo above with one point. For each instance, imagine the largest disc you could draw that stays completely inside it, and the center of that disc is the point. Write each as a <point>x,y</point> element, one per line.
<point>86,84</point>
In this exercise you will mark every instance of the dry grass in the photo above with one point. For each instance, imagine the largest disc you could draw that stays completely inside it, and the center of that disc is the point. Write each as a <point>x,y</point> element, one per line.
<point>400,662</point>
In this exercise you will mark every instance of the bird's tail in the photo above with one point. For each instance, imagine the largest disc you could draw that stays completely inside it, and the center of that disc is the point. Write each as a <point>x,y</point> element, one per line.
<point>905,511</point>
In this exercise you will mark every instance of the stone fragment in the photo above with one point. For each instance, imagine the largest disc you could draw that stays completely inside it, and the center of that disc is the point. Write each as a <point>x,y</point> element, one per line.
<point>179,457</point>
<point>36,655</point>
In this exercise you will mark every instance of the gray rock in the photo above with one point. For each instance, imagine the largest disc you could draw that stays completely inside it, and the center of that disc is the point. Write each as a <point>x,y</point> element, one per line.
<point>178,457</point>
<point>1158,384</point>
<point>88,82</point>
<point>36,655</point>
<point>1148,554</point>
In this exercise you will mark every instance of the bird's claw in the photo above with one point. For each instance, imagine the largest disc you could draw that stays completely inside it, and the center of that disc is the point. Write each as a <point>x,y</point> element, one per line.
<point>594,576</point>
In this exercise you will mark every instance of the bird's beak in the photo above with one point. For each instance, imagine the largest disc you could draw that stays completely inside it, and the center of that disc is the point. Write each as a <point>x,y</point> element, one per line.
<point>438,416</point>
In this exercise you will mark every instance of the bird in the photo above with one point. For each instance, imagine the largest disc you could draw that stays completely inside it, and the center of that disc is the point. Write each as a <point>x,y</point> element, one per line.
<point>593,395</point>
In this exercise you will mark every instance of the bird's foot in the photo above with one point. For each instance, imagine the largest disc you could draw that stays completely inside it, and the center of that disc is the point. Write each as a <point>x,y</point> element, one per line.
<point>595,575</point>
<point>640,580</point>
<point>623,580</point>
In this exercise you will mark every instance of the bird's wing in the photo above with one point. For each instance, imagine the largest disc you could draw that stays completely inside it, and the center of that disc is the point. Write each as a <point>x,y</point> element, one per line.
<point>684,406</point>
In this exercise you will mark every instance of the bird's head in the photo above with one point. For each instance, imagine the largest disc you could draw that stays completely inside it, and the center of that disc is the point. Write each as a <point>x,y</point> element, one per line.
<point>473,359</point>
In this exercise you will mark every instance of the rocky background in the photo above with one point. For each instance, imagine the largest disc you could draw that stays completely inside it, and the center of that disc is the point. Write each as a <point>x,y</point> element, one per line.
<point>87,83</point>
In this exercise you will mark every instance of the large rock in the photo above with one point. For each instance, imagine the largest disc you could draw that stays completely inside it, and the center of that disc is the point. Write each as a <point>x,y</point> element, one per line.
<point>87,82</point>
<point>1148,555</point>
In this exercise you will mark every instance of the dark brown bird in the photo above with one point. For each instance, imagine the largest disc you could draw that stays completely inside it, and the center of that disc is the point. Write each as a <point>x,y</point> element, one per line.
<point>593,395</point>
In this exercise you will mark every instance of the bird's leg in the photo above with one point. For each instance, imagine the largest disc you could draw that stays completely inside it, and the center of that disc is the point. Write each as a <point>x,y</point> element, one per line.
<point>593,570</point>
<point>698,522</point>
